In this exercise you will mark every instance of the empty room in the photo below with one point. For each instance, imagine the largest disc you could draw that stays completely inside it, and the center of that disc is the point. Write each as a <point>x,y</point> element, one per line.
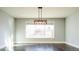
<point>39,29</point>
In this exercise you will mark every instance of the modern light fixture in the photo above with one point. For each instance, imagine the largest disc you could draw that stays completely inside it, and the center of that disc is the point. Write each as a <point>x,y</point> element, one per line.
<point>40,20</point>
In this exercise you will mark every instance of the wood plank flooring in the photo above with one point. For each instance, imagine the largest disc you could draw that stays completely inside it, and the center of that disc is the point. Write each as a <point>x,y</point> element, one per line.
<point>45,47</point>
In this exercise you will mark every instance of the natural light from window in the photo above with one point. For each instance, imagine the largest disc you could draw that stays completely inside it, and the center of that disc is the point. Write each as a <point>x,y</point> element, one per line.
<point>39,31</point>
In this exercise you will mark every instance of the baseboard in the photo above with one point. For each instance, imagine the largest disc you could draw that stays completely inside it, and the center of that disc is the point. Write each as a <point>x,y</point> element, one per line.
<point>72,45</point>
<point>40,42</point>
<point>19,44</point>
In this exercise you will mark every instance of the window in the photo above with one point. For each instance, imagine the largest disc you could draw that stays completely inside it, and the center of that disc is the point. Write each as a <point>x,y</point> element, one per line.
<point>39,31</point>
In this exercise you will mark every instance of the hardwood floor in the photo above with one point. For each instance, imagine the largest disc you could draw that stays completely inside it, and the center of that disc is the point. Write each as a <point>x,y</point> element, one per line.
<point>45,47</point>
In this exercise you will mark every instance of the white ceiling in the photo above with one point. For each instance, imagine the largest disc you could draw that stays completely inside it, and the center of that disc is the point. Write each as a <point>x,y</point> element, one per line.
<point>32,12</point>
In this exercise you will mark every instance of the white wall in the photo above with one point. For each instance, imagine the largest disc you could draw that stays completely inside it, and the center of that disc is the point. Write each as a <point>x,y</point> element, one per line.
<point>59,31</point>
<point>6,30</point>
<point>72,30</point>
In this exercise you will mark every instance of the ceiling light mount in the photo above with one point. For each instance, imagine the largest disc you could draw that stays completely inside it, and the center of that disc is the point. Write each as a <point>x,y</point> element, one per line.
<point>40,7</point>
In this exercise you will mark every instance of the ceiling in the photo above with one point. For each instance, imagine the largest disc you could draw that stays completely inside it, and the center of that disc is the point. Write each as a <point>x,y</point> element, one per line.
<point>32,12</point>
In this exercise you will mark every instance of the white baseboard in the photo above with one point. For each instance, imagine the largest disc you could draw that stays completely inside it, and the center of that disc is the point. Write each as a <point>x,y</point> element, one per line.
<point>31,43</point>
<point>40,42</point>
<point>72,45</point>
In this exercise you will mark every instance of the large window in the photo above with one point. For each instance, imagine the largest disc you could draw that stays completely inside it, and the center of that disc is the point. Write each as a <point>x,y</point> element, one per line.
<point>39,31</point>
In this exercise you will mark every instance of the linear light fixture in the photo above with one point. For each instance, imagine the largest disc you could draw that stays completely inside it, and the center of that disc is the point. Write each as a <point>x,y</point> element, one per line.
<point>40,20</point>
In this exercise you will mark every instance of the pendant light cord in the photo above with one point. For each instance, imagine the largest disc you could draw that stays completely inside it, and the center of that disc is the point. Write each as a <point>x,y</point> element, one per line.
<point>40,13</point>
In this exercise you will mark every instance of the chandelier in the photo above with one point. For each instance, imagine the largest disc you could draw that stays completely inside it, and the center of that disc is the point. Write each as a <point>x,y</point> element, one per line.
<point>40,20</point>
